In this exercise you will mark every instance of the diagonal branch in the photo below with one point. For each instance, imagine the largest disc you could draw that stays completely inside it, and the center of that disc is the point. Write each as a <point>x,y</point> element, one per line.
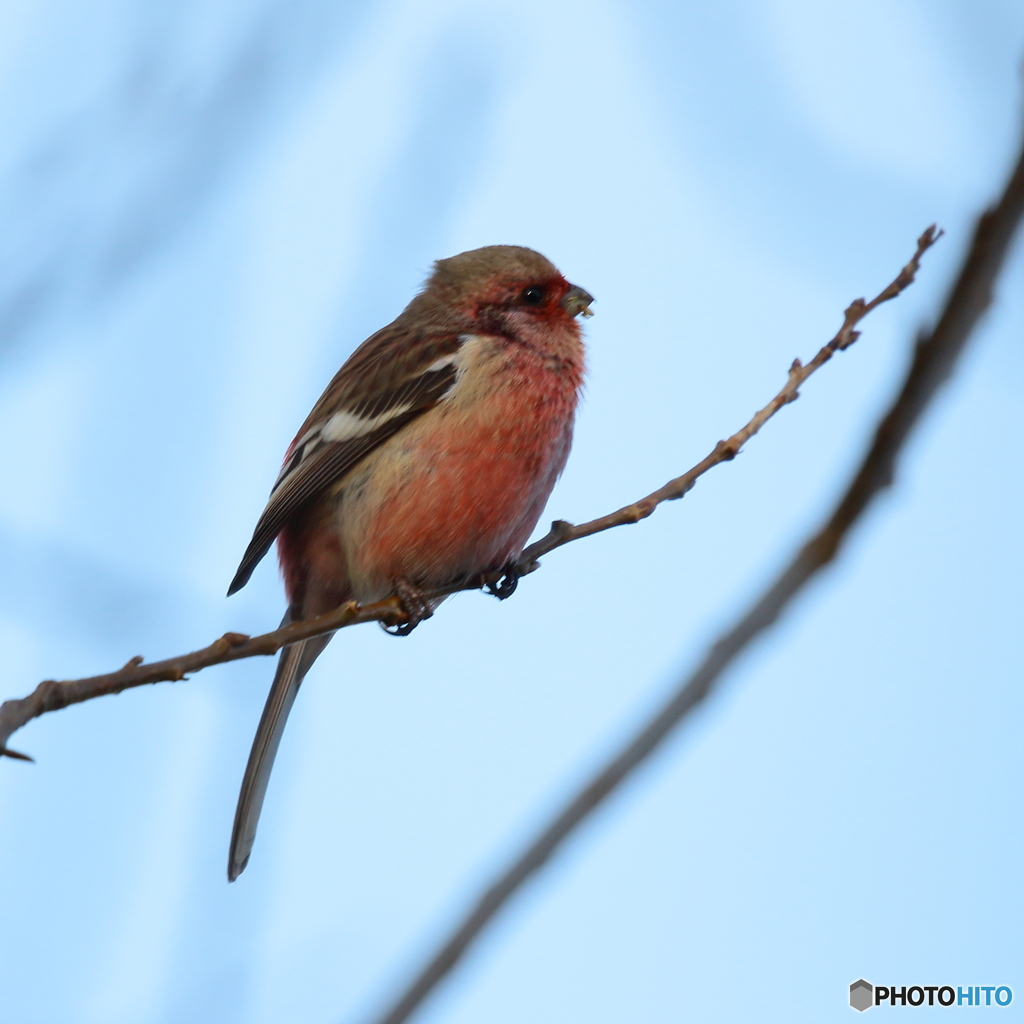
<point>52,695</point>
<point>935,356</point>
<point>562,532</point>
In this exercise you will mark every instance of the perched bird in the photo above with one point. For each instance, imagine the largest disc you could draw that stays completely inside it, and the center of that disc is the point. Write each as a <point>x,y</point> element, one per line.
<point>427,461</point>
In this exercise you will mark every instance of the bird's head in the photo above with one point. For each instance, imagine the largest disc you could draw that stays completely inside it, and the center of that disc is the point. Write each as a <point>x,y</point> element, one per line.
<point>508,289</point>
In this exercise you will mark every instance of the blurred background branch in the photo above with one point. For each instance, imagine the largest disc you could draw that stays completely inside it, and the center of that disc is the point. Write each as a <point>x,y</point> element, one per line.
<point>935,356</point>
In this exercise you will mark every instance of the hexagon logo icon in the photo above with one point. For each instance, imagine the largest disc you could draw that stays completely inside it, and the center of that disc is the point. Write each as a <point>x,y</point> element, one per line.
<point>861,993</point>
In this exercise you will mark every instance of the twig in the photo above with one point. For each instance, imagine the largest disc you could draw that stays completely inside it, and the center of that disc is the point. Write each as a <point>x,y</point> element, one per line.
<point>562,532</point>
<point>935,356</point>
<point>52,695</point>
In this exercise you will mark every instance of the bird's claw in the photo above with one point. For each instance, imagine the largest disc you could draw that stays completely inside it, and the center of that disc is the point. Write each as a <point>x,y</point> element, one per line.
<point>414,604</point>
<point>505,585</point>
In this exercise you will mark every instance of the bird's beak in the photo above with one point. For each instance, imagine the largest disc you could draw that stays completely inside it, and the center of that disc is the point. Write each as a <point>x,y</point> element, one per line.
<point>576,301</point>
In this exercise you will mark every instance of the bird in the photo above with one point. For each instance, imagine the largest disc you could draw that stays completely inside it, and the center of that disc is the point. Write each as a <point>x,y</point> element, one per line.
<point>427,462</point>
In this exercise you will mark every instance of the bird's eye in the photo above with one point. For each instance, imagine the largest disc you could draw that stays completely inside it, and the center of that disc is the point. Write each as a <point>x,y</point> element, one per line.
<point>534,295</point>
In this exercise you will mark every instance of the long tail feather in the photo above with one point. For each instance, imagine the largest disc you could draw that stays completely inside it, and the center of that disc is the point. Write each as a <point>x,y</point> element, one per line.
<point>295,661</point>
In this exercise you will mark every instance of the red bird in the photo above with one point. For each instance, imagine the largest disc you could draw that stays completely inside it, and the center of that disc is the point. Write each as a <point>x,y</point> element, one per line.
<point>428,460</point>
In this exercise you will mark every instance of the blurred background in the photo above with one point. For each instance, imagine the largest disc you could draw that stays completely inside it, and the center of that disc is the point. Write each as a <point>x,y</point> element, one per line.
<point>207,206</point>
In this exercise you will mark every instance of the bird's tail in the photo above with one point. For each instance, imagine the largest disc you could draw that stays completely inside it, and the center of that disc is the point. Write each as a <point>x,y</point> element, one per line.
<point>295,661</point>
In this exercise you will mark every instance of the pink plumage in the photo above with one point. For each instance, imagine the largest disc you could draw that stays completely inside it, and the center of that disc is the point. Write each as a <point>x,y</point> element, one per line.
<point>428,459</point>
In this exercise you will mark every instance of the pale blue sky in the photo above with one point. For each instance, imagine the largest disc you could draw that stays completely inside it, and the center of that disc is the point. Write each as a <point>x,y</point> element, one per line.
<point>207,205</point>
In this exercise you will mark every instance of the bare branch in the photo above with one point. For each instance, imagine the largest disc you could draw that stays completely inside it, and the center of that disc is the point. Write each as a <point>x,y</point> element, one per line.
<point>934,358</point>
<point>52,695</point>
<point>562,532</point>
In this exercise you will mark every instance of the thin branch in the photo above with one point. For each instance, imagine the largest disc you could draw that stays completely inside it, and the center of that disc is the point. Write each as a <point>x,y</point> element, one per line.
<point>934,359</point>
<point>52,695</point>
<point>562,532</point>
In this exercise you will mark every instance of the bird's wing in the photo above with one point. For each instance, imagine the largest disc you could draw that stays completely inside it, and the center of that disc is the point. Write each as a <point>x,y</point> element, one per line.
<point>389,381</point>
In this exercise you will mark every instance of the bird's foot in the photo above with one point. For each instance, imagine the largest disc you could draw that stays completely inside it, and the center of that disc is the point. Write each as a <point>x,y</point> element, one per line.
<point>414,604</point>
<point>505,585</point>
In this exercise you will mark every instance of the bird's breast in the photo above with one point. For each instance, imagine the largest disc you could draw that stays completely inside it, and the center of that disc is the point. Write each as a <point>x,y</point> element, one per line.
<point>459,490</point>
